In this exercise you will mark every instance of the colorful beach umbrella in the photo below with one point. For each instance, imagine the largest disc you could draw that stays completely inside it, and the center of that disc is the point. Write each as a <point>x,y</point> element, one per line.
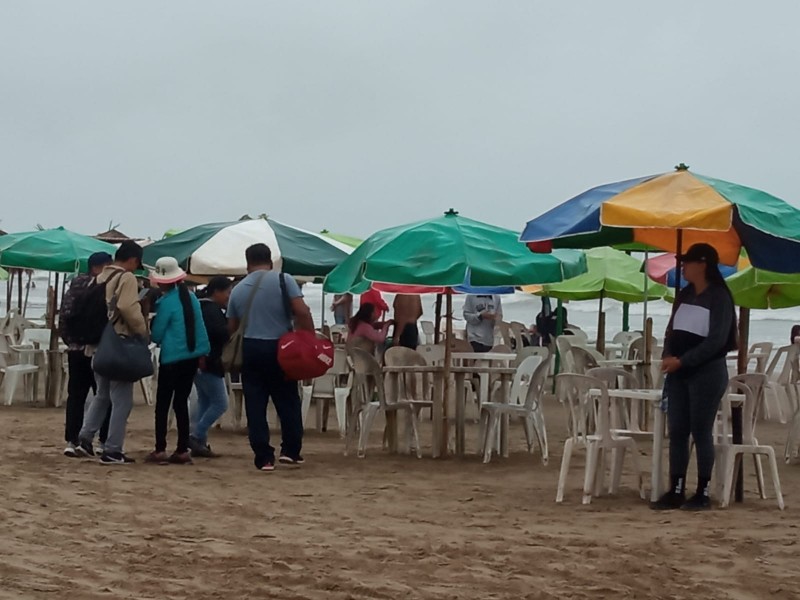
<point>675,209</point>
<point>756,288</point>
<point>662,269</point>
<point>347,240</point>
<point>3,275</point>
<point>58,250</point>
<point>218,248</point>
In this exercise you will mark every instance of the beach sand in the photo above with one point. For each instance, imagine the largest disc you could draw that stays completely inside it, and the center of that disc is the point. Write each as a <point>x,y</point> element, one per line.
<point>380,527</point>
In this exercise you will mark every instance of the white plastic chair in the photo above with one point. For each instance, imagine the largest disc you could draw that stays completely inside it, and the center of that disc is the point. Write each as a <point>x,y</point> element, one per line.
<point>370,399</point>
<point>12,375</point>
<point>781,388</point>
<point>433,354</point>
<point>334,386</point>
<point>582,359</point>
<point>524,403</point>
<point>586,400</point>
<point>729,455</point>
<point>429,331</point>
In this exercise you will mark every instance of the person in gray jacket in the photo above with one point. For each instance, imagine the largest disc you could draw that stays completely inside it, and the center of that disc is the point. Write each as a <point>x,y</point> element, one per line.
<point>482,313</point>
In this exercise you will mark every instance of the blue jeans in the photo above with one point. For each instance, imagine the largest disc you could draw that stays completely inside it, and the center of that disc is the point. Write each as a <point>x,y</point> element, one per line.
<point>262,379</point>
<point>212,402</point>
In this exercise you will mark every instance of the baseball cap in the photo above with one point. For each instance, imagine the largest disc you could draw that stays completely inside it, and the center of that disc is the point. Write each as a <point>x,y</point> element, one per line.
<point>701,253</point>
<point>100,259</point>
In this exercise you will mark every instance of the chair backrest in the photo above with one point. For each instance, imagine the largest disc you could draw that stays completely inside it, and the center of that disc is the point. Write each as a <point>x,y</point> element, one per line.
<point>563,344</point>
<point>537,384</point>
<point>760,353</point>
<point>625,337</point>
<point>432,353</point>
<point>412,385</point>
<point>459,345</point>
<point>505,333</point>
<point>523,353</point>
<point>522,378</point>
<point>582,359</point>
<point>636,348</point>
<point>428,330</point>
<point>338,333</point>
<point>502,349</point>
<point>752,385</point>
<point>578,334</point>
<point>368,376</point>
<point>575,392</point>
<point>615,378</point>
<point>790,372</point>
<point>517,331</point>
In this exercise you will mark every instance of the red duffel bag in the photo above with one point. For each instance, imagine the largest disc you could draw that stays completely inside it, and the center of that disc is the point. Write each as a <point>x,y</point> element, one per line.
<point>303,355</point>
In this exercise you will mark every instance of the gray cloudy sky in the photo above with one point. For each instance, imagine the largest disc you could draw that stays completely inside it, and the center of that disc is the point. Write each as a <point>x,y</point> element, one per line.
<point>365,114</point>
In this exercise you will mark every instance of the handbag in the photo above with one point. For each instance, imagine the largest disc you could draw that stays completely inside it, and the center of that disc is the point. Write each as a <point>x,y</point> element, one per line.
<point>119,357</point>
<point>232,352</point>
<point>301,354</point>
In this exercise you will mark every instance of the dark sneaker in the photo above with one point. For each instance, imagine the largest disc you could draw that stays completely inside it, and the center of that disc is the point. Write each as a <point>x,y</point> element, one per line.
<point>200,449</point>
<point>669,501</point>
<point>267,467</point>
<point>157,458</point>
<point>288,460</point>
<point>71,450</point>
<point>183,458</point>
<point>115,458</point>
<point>697,502</point>
<point>84,450</point>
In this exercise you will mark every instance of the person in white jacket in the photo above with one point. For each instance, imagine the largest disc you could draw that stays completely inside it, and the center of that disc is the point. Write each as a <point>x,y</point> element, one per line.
<point>482,313</point>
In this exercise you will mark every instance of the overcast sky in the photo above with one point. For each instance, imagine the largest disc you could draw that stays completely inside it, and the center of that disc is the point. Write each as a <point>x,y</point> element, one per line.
<point>361,115</point>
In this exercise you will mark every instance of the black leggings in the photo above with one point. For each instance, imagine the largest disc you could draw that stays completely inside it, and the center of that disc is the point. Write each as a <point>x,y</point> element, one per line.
<point>174,386</point>
<point>692,407</point>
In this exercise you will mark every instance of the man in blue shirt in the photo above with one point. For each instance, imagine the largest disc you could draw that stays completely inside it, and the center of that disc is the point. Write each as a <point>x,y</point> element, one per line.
<point>262,376</point>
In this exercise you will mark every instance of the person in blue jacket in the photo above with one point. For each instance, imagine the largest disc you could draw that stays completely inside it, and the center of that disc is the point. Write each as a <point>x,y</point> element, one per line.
<point>179,329</point>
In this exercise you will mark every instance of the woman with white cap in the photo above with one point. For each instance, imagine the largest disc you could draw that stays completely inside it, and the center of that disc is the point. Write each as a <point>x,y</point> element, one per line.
<point>179,329</point>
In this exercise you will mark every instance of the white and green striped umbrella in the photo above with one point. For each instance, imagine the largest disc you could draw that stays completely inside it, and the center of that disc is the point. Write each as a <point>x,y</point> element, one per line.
<point>218,248</point>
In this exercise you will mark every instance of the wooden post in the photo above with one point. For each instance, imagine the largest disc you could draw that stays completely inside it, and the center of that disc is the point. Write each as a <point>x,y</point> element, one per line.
<point>53,368</point>
<point>648,353</point>
<point>736,411</point>
<point>437,327</point>
<point>448,361</point>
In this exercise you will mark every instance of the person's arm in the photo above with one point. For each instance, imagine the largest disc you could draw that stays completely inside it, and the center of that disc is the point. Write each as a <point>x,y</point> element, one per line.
<point>719,329</point>
<point>128,304</point>
<point>367,331</point>
<point>300,312</point>
<point>160,324</point>
<point>471,315</point>
<point>216,325</point>
<point>498,313</point>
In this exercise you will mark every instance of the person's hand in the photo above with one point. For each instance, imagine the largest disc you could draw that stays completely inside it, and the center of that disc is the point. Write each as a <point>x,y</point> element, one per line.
<point>670,364</point>
<point>201,364</point>
<point>488,316</point>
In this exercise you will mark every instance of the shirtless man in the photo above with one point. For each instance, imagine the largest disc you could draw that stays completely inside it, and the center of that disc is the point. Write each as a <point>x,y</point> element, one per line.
<point>407,311</point>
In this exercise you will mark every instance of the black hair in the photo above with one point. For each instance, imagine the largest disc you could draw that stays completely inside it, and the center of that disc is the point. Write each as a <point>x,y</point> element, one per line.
<point>128,250</point>
<point>365,314</point>
<point>217,284</point>
<point>795,333</point>
<point>188,315</point>
<point>258,254</point>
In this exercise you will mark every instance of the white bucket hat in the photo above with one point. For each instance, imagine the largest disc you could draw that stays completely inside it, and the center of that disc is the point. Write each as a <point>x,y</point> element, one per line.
<point>167,271</point>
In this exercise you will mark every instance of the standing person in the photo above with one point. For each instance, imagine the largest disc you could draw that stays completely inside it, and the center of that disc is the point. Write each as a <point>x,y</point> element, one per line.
<point>482,312</point>
<point>407,311</point>
<point>262,376</point>
<point>81,376</point>
<point>178,328</point>
<point>120,283</point>
<point>701,331</point>
<point>342,308</point>
<point>212,396</point>
<point>374,297</point>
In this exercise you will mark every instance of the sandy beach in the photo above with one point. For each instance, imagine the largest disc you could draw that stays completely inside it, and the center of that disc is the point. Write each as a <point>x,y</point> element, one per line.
<point>348,528</point>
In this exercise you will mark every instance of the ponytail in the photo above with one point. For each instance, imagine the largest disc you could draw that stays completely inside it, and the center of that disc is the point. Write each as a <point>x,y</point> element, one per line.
<point>188,316</point>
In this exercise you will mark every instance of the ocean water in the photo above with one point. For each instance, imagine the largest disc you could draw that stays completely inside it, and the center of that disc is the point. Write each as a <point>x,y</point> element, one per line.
<point>765,325</point>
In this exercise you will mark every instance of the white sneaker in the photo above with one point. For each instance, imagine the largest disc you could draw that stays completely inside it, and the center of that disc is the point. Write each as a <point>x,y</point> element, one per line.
<point>71,451</point>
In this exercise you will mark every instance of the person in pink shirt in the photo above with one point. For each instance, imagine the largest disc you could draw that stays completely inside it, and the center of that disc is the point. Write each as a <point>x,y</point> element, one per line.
<point>365,332</point>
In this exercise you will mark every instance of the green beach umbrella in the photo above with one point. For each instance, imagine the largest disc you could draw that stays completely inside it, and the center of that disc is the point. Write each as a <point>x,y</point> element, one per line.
<point>756,288</point>
<point>58,250</point>
<point>343,239</point>
<point>3,274</point>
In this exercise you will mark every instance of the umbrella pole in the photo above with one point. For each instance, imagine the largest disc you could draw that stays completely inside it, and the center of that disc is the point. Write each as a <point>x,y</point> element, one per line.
<point>626,321</point>
<point>678,264</point>
<point>19,291</point>
<point>644,313</point>
<point>437,331</point>
<point>448,360</point>
<point>736,411</point>
<point>559,331</point>
<point>9,290</point>
<point>322,310</point>
<point>52,354</point>
<point>601,327</point>
<point>28,293</point>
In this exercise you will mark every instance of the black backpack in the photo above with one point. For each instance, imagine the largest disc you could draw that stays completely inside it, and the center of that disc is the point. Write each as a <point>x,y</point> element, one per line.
<point>89,315</point>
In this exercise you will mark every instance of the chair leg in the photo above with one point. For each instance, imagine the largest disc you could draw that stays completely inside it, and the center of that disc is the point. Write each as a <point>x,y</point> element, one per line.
<point>541,435</point>
<point>491,435</point>
<point>791,438</point>
<point>617,460</point>
<point>562,476</point>
<point>731,458</point>
<point>412,419</point>
<point>593,453</point>
<point>341,412</point>
<point>307,391</point>
<point>760,476</point>
<point>776,481</point>
<point>369,416</point>
<point>637,469</point>
<point>527,424</point>
<point>600,472</point>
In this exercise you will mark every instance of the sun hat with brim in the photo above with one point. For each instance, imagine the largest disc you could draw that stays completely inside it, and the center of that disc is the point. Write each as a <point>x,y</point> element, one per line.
<point>167,270</point>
